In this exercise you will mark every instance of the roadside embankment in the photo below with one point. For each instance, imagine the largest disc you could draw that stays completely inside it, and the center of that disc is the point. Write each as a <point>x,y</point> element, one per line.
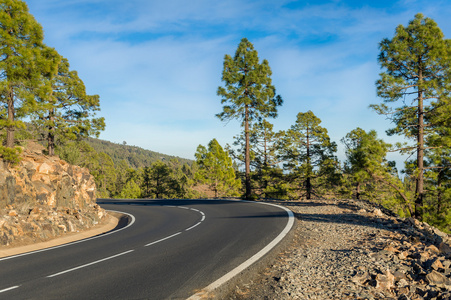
<point>354,250</point>
<point>109,223</point>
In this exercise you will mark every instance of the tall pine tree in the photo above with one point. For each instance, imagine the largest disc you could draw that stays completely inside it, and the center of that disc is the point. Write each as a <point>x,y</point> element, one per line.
<point>24,62</point>
<point>308,151</point>
<point>415,81</point>
<point>67,112</point>
<point>248,94</point>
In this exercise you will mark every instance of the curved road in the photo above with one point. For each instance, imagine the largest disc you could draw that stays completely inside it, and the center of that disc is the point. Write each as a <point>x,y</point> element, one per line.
<point>173,249</point>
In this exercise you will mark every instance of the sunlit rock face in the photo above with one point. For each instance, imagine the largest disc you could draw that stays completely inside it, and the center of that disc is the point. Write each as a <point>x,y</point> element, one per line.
<point>42,197</point>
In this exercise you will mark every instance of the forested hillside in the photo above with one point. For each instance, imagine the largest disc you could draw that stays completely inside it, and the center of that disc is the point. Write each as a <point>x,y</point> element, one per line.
<point>136,157</point>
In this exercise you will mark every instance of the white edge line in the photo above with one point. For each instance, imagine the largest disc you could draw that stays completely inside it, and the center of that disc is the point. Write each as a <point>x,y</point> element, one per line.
<point>76,242</point>
<point>8,289</point>
<point>163,239</point>
<point>251,260</point>
<point>90,264</point>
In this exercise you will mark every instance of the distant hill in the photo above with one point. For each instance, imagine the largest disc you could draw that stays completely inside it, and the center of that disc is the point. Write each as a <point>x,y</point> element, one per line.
<point>136,157</point>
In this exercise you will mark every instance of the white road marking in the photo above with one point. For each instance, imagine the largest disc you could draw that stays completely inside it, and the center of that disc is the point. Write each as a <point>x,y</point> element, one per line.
<point>193,226</point>
<point>175,234</point>
<point>76,242</point>
<point>168,237</point>
<point>8,289</point>
<point>90,264</point>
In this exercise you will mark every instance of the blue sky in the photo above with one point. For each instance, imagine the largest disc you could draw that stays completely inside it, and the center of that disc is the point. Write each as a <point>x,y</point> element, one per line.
<point>157,64</point>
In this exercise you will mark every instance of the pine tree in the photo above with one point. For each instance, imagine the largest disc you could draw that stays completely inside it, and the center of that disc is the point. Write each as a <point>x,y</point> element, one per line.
<point>216,169</point>
<point>159,181</point>
<point>357,155</point>
<point>368,166</point>
<point>248,94</point>
<point>67,112</point>
<point>307,150</point>
<point>417,64</point>
<point>24,62</point>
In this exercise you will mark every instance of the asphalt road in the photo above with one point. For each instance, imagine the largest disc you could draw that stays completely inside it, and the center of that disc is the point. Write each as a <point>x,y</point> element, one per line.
<point>172,249</point>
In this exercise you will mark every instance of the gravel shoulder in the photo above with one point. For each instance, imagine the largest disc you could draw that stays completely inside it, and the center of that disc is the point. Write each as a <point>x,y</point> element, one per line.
<point>354,250</point>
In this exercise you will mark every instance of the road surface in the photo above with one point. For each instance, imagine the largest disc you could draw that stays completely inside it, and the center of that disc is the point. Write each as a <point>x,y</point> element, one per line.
<point>171,250</point>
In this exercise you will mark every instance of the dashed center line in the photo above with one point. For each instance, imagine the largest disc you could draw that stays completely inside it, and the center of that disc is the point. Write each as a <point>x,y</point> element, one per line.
<point>126,252</point>
<point>175,234</point>
<point>163,239</point>
<point>90,264</point>
<point>193,226</point>
<point>8,289</point>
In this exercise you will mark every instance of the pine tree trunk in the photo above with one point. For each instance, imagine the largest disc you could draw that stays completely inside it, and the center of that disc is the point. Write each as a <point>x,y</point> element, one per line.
<point>439,194</point>
<point>10,129</point>
<point>308,180</point>
<point>419,190</point>
<point>309,188</point>
<point>51,134</point>
<point>357,191</point>
<point>265,165</point>
<point>157,190</point>
<point>247,154</point>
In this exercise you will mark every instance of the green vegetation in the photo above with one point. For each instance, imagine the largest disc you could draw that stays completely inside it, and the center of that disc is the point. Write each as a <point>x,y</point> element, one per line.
<point>134,156</point>
<point>216,169</point>
<point>123,171</point>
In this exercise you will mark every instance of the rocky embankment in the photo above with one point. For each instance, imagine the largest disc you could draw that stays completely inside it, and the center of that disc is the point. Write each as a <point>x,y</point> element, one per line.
<point>43,197</point>
<point>353,250</point>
